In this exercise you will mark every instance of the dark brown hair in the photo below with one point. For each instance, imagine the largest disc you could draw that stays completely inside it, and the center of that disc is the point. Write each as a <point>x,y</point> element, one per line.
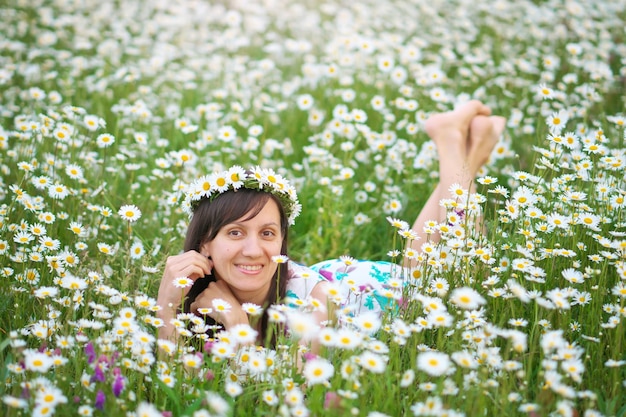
<point>208,219</point>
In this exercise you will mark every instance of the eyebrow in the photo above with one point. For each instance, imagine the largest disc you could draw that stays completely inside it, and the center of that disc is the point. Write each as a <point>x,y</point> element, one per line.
<point>262,226</point>
<point>271,224</point>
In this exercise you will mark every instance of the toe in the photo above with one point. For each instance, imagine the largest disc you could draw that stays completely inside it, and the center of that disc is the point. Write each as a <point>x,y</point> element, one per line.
<point>481,126</point>
<point>467,111</point>
<point>499,123</point>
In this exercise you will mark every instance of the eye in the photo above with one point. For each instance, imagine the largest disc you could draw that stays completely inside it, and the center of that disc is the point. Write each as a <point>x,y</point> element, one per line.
<point>235,233</point>
<point>268,233</point>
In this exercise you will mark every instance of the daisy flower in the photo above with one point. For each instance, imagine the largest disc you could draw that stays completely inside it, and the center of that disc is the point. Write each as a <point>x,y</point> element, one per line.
<point>105,140</point>
<point>439,319</point>
<point>385,63</point>
<point>41,182</point>
<point>141,138</point>
<point>270,397</point>
<point>408,234</point>
<point>74,171</point>
<point>145,409</point>
<point>318,371</point>
<point>487,180</point>
<point>368,322</point>
<point>305,101</point>
<point>294,396</point>
<point>347,260</point>
<point>23,237</point>
<point>393,206</point>
<point>226,134</point>
<point>129,213</point>
<point>182,282</point>
<point>202,186</point>
<point>545,92</point>
<point>280,259</point>
<point>252,309</point>
<point>37,361</point>
<point>348,339</point>
<point>434,363</point>
<point>50,396</point>
<point>14,402</point>
<point>233,389</point>
<point>275,315</point>
<point>220,181</point>
<point>465,359</point>
<point>105,248</point>
<point>361,218</point>
<point>93,122</point>
<point>217,404</point>
<point>167,378</point>
<point>49,243</point>
<point>221,306</point>
<point>137,250</point>
<point>192,360</point>
<point>236,174</point>
<point>302,325</point>
<point>407,378</point>
<point>372,362</point>
<point>619,290</point>
<point>440,286</point>
<point>520,322</point>
<point>222,349</point>
<point>105,212</point>
<point>243,334</point>
<point>255,130</point>
<point>58,191</point>
<point>557,120</point>
<point>457,191</point>
<point>205,310</point>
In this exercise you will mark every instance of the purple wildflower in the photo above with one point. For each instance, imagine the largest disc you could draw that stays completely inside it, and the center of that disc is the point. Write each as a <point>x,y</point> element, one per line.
<point>100,399</point>
<point>90,352</point>
<point>118,383</point>
<point>98,375</point>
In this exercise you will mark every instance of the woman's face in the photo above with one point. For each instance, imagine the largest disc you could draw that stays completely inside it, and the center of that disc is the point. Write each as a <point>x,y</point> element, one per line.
<point>242,253</point>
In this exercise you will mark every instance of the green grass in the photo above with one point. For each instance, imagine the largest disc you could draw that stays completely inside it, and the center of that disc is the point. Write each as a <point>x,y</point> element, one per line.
<point>140,68</point>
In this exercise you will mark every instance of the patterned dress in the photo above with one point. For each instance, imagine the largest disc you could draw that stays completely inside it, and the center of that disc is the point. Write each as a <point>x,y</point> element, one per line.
<point>356,286</point>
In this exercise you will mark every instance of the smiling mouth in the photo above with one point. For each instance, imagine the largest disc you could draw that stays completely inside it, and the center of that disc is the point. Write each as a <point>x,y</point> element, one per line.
<point>250,267</point>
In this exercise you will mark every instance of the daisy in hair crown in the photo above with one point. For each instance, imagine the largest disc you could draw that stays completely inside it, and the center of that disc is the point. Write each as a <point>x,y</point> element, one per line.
<point>236,177</point>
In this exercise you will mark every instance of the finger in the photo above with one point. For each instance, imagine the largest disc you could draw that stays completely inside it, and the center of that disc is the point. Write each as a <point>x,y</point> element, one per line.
<point>190,264</point>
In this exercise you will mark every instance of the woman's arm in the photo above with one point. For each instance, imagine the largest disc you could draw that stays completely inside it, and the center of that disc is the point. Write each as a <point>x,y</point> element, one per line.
<point>219,290</point>
<point>190,264</point>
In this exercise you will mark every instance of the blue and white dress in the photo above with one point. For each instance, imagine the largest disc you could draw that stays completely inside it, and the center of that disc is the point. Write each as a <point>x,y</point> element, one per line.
<point>355,286</point>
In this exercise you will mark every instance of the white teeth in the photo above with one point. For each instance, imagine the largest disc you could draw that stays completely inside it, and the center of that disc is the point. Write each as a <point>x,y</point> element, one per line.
<point>250,267</point>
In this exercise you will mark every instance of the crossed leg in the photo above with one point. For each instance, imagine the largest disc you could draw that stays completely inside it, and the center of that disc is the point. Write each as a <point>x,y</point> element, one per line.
<point>464,139</point>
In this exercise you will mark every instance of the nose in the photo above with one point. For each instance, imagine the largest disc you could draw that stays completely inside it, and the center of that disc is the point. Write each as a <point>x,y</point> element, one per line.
<point>252,247</point>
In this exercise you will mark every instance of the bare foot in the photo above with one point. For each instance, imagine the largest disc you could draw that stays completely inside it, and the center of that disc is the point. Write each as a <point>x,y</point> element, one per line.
<point>449,130</point>
<point>484,133</point>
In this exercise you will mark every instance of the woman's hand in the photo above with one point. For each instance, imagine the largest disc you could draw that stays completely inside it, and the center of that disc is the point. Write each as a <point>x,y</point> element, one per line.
<point>219,290</point>
<point>192,265</point>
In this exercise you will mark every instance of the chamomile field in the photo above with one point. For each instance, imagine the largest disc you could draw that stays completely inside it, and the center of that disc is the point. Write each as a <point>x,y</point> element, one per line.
<point>108,109</point>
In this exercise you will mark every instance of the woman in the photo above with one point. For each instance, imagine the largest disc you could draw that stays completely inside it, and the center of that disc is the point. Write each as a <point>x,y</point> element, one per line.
<point>240,223</point>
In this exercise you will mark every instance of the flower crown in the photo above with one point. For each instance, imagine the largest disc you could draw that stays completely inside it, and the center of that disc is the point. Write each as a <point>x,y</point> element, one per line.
<point>261,179</point>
